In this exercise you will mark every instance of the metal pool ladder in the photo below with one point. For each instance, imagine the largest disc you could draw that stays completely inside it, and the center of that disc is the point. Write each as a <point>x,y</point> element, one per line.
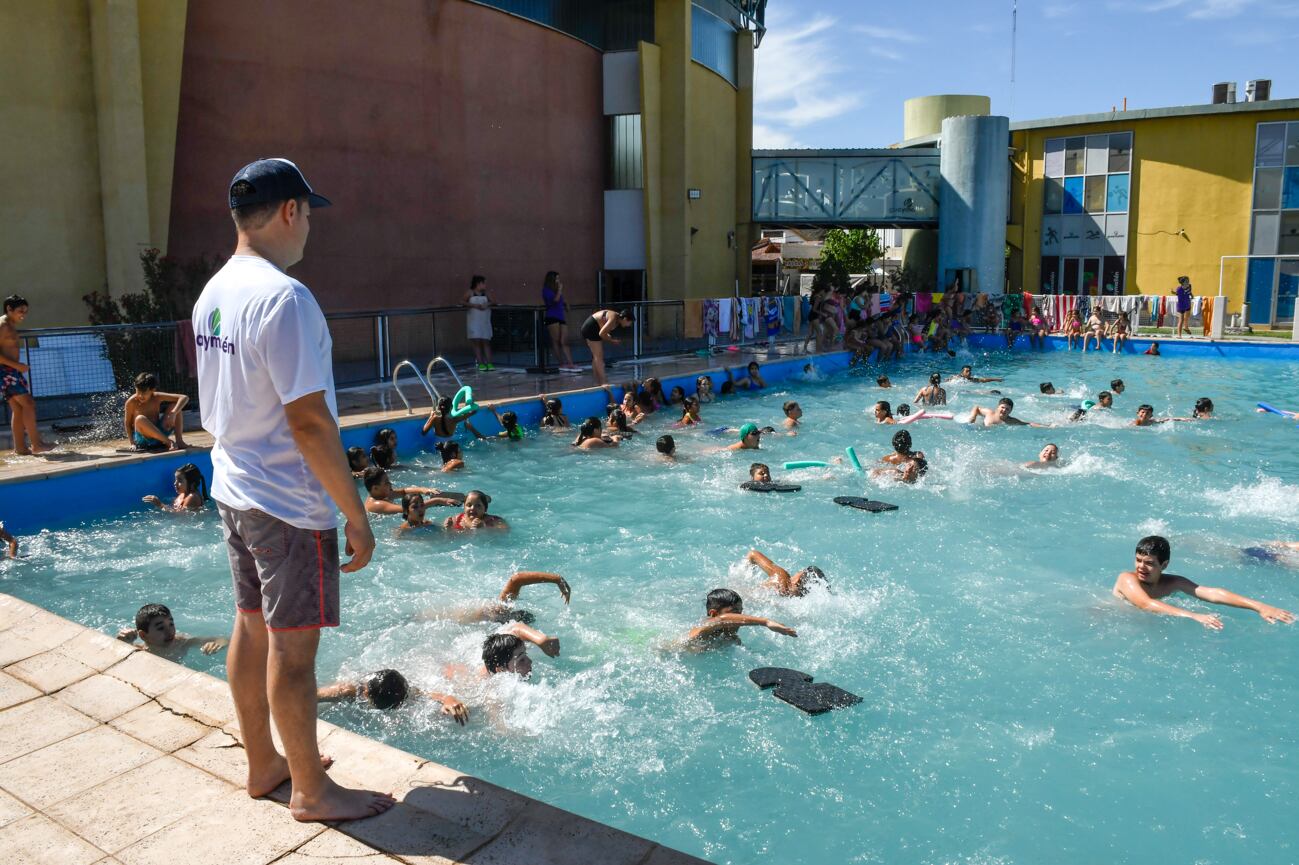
<point>426,380</point>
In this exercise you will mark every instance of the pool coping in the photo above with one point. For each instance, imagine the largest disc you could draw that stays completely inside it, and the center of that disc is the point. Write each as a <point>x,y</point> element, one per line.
<point>109,751</point>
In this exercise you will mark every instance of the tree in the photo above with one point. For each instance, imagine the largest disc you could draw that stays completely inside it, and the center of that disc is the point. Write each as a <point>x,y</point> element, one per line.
<point>855,248</point>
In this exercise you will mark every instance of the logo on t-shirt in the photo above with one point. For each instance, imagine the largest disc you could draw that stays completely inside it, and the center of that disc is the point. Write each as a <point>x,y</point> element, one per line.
<point>214,340</point>
<point>214,321</point>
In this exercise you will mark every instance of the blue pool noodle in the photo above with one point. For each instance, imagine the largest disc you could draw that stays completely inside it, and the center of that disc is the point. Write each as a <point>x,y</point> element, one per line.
<point>805,464</point>
<point>852,457</point>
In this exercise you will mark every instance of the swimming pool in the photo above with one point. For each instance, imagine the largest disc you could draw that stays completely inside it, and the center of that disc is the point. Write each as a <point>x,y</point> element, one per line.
<point>1014,712</point>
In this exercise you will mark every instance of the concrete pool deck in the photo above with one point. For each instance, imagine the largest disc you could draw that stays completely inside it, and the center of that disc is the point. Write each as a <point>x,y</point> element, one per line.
<point>110,755</point>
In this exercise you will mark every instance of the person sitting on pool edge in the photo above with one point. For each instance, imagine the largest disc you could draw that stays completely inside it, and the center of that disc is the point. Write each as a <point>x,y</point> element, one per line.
<point>475,515</point>
<point>966,374</point>
<point>156,629</point>
<point>387,689</point>
<point>780,581</point>
<point>1147,583</point>
<point>382,493</point>
<point>725,617</point>
<point>1000,416</point>
<point>1048,458</point>
<point>150,424</point>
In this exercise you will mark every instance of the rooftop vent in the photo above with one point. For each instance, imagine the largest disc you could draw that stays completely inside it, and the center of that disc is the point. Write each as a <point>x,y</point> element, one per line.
<point>1258,90</point>
<point>1224,92</point>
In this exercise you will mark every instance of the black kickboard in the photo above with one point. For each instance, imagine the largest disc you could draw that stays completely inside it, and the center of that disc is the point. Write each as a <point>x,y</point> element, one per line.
<point>767,677</point>
<point>864,504</point>
<point>769,487</point>
<point>815,699</point>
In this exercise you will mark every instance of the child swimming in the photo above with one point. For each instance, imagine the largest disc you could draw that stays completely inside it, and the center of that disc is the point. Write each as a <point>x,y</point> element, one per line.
<point>933,393</point>
<point>793,412</point>
<point>591,435</point>
<point>780,581</point>
<point>357,461</point>
<point>1000,416</point>
<point>1047,458</point>
<point>510,429</point>
<point>666,446</point>
<point>452,458</point>
<point>704,389</point>
<point>388,689</point>
<point>690,413</point>
<point>412,513</point>
<point>475,515</point>
<point>883,412</point>
<point>382,492</point>
<point>191,491</point>
<point>554,417</point>
<point>750,439</point>
<point>724,617</point>
<point>156,630</point>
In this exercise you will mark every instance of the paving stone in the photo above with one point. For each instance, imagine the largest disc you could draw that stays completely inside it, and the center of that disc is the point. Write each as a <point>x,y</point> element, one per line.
<point>548,836</point>
<point>159,727</point>
<point>463,799</point>
<point>72,765</point>
<point>102,697</point>
<point>95,649</point>
<point>42,631</point>
<point>219,754</point>
<point>205,698</point>
<point>33,725</point>
<point>11,809</point>
<point>416,837</point>
<point>49,671</point>
<point>359,761</point>
<point>149,673</point>
<point>37,840</point>
<point>14,646</point>
<point>134,805</point>
<point>332,845</point>
<point>233,830</point>
<point>13,692</point>
<point>13,611</point>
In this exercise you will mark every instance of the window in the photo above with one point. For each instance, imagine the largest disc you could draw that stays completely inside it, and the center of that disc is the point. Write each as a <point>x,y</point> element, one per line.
<point>1085,213</point>
<point>624,149</point>
<point>613,25</point>
<point>1272,284</point>
<point>712,42</point>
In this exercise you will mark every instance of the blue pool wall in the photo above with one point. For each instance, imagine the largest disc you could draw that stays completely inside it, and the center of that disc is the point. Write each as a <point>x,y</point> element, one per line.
<point>30,505</point>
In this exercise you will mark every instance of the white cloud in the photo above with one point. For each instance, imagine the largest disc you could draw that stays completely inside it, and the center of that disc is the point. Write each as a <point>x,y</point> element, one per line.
<point>1058,10</point>
<point>1197,9</point>
<point>796,82</point>
<point>885,52</point>
<point>767,138</point>
<point>886,33</point>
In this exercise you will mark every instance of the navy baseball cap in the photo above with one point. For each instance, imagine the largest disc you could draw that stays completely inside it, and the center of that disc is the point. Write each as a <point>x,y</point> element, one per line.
<point>271,180</point>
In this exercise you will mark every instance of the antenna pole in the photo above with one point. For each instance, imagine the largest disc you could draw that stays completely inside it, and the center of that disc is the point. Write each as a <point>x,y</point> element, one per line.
<point>1014,33</point>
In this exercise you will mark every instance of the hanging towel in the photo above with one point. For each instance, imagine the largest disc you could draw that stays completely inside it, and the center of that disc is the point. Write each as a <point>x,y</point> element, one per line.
<point>725,312</point>
<point>1197,303</point>
<point>711,318</point>
<point>692,315</point>
<point>1206,317</point>
<point>885,302</point>
<point>924,300</point>
<point>789,313</point>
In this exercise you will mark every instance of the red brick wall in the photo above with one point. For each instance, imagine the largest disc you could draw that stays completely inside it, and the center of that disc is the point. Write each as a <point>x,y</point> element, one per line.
<point>452,138</point>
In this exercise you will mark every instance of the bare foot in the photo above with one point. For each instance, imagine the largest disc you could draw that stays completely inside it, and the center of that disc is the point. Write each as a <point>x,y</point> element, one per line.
<point>339,803</point>
<point>42,448</point>
<point>267,780</point>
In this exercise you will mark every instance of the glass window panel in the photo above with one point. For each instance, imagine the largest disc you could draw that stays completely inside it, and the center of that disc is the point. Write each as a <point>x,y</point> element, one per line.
<point>1271,144</point>
<point>1290,188</point>
<point>1091,273</point>
<point>1288,242</point>
<point>1121,151</point>
<point>1093,228</point>
<point>1073,195</point>
<point>1258,290</point>
<point>712,43</point>
<point>1071,235</point>
<point>1263,241</point>
<point>1267,188</point>
<point>1069,282</point>
<point>1112,273</point>
<point>1098,147</point>
<point>1074,155</point>
<point>1292,144</point>
<point>1051,275</point>
<point>1055,195</point>
<point>1094,195</point>
<point>1055,157</point>
<point>764,189</point>
<point>1116,234</point>
<point>1287,288</point>
<point>1051,230</point>
<point>1116,193</point>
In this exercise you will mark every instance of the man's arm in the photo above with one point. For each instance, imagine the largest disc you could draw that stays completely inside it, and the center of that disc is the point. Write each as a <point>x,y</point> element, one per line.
<point>378,506</point>
<point>1231,599</point>
<point>316,435</point>
<point>1131,590</point>
<point>771,569</point>
<point>548,645</point>
<point>336,692</point>
<point>532,578</point>
<point>731,620</point>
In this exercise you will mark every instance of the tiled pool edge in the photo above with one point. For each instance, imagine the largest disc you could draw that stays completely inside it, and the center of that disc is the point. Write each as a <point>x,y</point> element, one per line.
<point>106,750</point>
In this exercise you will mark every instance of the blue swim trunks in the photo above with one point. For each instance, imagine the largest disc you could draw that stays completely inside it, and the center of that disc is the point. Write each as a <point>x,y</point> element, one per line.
<point>1263,554</point>
<point>12,383</point>
<point>144,443</point>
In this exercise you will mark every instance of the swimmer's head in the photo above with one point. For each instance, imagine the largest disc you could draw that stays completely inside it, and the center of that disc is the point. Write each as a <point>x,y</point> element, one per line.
<point>554,406</point>
<point>1144,413</point>
<point>721,601</point>
<point>753,367</point>
<point>915,468</point>
<point>154,625</point>
<point>902,441</point>
<point>1046,387</point>
<point>448,451</point>
<point>387,437</point>
<point>935,378</point>
<point>510,422</point>
<point>385,689</point>
<point>666,445</point>
<point>503,615</point>
<point>812,572</point>
<point>382,456</point>
<point>883,410</point>
<point>678,394</point>
<point>704,384</point>
<point>1050,453</point>
<point>476,502</point>
<point>357,460</point>
<point>1077,415</point>
<point>506,653</point>
<point>412,506</point>
<point>652,385</point>
<point>1105,399</point>
<point>189,479</point>
<point>1116,385</point>
<point>1005,406</point>
<point>444,405</point>
<point>618,420</point>
<point>793,410</point>
<point>883,381</point>
<point>1203,407</point>
<point>750,434</point>
<point>728,387</point>
<point>760,472</point>
<point>1152,556</point>
<point>376,482</point>
<point>966,371</point>
<point>590,428</point>
<point>904,410</point>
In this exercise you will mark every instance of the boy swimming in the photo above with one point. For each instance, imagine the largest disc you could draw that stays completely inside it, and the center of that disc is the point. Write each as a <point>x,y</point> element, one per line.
<point>382,493</point>
<point>1047,458</point>
<point>156,629</point>
<point>1147,583</point>
<point>780,580</point>
<point>793,411</point>
<point>388,689</point>
<point>724,618</point>
<point>750,439</point>
<point>999,416</point>
<point>967,374</point>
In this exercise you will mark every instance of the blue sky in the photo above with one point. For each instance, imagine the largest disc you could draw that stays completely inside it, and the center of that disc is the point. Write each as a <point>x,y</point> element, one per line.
<point>834,73</point>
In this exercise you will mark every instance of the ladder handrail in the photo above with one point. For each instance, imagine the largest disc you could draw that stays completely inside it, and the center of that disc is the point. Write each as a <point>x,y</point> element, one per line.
<point>397,369</point>
<point>428,373</point>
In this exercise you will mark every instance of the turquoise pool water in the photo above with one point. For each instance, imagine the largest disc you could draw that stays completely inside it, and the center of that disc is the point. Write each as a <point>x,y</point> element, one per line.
<point>1014,712</point>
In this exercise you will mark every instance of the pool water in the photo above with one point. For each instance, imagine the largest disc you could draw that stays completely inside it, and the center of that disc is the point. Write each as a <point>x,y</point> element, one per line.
<point>1014,712</point>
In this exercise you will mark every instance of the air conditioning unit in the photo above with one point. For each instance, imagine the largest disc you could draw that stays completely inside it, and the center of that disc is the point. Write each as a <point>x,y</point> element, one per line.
<point>1258,90</point>
<point>1224,92</point>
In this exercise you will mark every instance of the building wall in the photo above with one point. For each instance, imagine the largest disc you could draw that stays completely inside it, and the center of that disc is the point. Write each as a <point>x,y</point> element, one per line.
<point>1192,172</point>
<point>452,138</point>
<point>711,161</point>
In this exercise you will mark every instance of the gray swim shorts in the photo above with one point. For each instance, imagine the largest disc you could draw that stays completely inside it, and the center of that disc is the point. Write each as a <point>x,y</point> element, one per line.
<point>288,574</point>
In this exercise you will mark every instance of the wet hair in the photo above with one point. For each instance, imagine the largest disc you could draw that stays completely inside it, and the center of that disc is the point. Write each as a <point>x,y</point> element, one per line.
<point>357,459</point>
<point>967,366</point>
<point>1145,407</point>
<point>618,420</point>
<point>700,380</point>
<point>1078,414</point>
<point>922,464</point>
<point>1157,546</point>
<point>589,429</point>
<point>448,451</point>
<point>497,651</point>
<point>146,381</point>
<point>904,410</point>
<point>14,301</point>
<point>554,406</point>
<point>487,500</point>
<point>148,613</point>
<point>1204,405</point>
<point>510,423</point>
<point>677,395</point>
<point>720,599</point>
<point>644,402</point>
<point>476,280</point>
<point>1116,383</point>
<point>815,573</point>
<point>503,615</point>
<point>1007,402</point>
<point>444,405</point>
<point>194,479</point>
<point>381,455</point>
<point>666,445</point>
<point>888,409</point>
<point>935,378</point>
<point>372,477</point>
<point>387,437</point>
<point>753,469</point>
<point>902,441</point>
<point>880,381</point>
<point>728,387</point>
<point>789,406</point>
<point>1104,395</point>
<point>1046,387</point>
<point>653,387</point>
<point>386,689</point>
<point>408,500</point>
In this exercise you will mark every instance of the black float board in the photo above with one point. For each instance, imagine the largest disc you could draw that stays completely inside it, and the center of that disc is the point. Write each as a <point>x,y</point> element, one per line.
<point>769,487</point>
<point>864,504</point>
<point>766,677</point>
<point>815,699</point>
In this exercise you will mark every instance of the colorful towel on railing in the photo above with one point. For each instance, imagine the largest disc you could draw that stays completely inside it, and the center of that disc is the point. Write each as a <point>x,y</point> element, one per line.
<point>692,319</point>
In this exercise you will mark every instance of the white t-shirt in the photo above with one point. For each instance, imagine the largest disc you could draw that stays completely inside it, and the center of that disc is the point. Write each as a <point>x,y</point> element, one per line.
<point>262,342</point>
